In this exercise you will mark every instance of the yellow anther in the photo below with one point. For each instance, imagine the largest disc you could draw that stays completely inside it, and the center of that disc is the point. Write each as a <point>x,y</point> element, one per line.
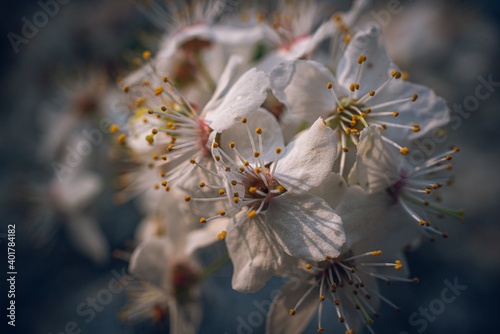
<point>140,101</point>
<point>154,131</point>
<point>221,192</point>
<point>292,311</point>
<point>242,169</point>
<point>222,212</point>
<point>126,89</point>
<point>448,166</point>
<point>405,76</point>
<point>347,39</point>
<point>328,257</point>
<point>246,163</point>
<point>368,110</point>
<point>164,157</point>
<point>155,156</point>
<point>280,188</point>
<point>146,54</point>
<point>252,214</point>
<point>348,131</point>
<point>222,235</point>
<point>232,144</point>
<point>258,131</point>
<point>278,150</point>
<point>329,85</point>
<point>170,148</point>
<point>163,183</point>
<point>362,115</point>
<point>321,330</point>
<point>217,158</point>
<point>258,170</point>
<point>427,191</point>
<point>416,128</point>
<point>345,149</point>
<point>236,194</point>
<point>203,220</point>
<point>167,188</point>
<point>244,120</point>
<point>165,79</point>
<point>236,200</point>
<point>396,74</point>
<point>233,182</point>
<point>399,265</point>
<point>215,145</point>
<point>261,17</point>
<point>414,98</point>
<point>404,151</point>
<point>202,184</point>
<point>377,253</point>
<point>371,93</point>
<point>150,112</point>
<point>361,59</point>
<point>252,190</point>
<point>163,108</point>
<point>415,280</point>
<point>321,298</point>
<point>356,86</point>
<point>121,138</point>
<point>187,198</point>
<point>114,128</point>
<point>353,123</point>
<point>256,154</point>
<point>456,149</point>
<point>228,169</point>
<point>448,157</point>
<point>352,87</point>
<point>340,109</point>
<point>156,186</point>
<point>308,266</point>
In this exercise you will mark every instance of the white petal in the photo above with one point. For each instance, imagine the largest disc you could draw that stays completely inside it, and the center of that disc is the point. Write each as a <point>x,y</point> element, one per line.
<point>150,261</point>
<point>302,86</point>
<point>332,190</point>
<point>305,226</point>
<point>279,320</point>
<point>308,160</point>
<point>254,253</point>
<point>223,83</point>
<point>271,136</point>
<point>377,68</point>
<point>86,235</point>
<point>246,96</point>
<point>376,167</point>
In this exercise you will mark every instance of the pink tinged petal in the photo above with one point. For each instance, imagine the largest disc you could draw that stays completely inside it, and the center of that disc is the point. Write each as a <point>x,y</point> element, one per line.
<point>150,261</point>
<point>271,136</point>
<point>305,226</point>
<point>244,97</point>
<point>308,160</point>
<point>377,68</point>
<point>254,253</point>
<point>279,320</point>
<point>302,87</point>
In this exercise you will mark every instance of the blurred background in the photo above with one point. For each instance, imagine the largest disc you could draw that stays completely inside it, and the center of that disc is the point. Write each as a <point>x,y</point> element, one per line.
<point>451,46</point>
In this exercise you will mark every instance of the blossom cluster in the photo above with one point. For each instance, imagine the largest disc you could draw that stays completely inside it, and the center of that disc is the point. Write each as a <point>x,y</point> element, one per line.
<point>286,137</point>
